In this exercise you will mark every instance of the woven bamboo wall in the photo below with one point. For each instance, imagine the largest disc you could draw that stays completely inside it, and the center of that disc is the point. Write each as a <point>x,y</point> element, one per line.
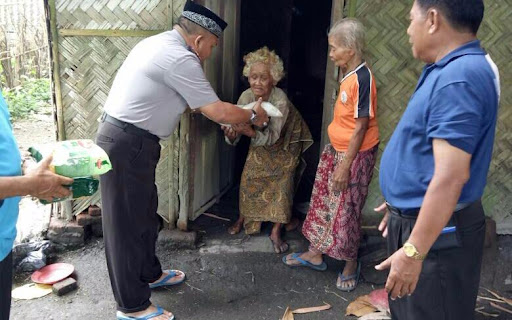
<point>88,65</point>
<point>389,55</point>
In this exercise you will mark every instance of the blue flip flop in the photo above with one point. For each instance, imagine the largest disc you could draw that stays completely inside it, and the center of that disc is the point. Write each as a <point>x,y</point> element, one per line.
<point>350,277</point>
<point>159,312</point>
<point>163,282</point>
<point>303,263</point>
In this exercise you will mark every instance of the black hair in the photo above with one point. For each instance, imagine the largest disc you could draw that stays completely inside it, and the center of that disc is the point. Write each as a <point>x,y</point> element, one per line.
<point>463,15</point>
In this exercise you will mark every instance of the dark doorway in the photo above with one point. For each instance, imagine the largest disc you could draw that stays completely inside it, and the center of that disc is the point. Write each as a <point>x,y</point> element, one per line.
<point>297,31</point>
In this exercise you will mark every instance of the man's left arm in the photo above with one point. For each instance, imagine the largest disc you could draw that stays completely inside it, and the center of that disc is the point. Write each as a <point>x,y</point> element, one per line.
<point>452,170</point>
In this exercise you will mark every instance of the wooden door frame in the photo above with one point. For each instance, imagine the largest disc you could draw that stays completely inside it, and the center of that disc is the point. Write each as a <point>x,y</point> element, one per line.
<point>332,72</point>
<point>187,156</point>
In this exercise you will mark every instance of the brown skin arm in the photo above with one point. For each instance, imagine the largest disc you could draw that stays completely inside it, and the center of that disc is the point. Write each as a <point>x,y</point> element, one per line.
<point>229,133</point>
<point>452,170</point>
<point>342,171</point>
<point>223,112</point>
<point>245,129</point>
<point>39,182</point>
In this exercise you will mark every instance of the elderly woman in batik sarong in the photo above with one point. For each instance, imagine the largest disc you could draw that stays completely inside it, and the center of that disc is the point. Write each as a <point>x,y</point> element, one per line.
<point>333,222</point>
<point>271,169</point>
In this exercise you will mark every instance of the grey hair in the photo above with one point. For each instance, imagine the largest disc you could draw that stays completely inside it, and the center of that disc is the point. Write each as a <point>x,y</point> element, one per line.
<point>349,32</point>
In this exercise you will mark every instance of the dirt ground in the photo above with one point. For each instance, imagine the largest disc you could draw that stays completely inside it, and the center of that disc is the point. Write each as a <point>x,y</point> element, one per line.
<point>233,285</point>
<point>37,128</point>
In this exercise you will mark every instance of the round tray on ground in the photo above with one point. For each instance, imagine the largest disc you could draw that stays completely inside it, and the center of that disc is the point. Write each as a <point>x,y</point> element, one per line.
<point>53,273</point>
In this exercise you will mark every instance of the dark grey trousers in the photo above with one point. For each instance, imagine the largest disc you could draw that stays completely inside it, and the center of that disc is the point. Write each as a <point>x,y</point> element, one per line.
<point>5,287</point>
<point>130,222</point>
<point>449,280</point>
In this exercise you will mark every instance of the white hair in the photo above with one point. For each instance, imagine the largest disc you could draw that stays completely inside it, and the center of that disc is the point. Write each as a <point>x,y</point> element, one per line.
<point>270,58</point>
<point>349,32</point>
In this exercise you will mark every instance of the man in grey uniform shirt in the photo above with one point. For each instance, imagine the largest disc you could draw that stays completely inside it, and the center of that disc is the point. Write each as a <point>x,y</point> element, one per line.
<point>161,76</point>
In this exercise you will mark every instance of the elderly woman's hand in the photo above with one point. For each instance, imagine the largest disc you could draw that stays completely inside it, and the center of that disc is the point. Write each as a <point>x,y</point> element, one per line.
<point>261,114</point>
<point>245,129</point>
<point>229,132</point>
<point>341,178</point>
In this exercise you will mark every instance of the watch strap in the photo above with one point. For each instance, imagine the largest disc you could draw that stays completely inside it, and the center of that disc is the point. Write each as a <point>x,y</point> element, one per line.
<point>253,116</point>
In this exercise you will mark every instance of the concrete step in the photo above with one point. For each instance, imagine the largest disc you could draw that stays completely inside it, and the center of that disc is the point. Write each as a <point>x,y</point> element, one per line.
<point>259,243</point>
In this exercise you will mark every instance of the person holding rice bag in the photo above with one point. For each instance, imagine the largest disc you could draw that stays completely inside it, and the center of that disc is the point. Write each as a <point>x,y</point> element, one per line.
<point>161,76</point>
<point>80,159</point>
<point>39,182</point>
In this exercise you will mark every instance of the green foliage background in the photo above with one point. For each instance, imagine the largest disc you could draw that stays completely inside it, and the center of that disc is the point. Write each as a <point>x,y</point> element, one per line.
<point>30,97</point>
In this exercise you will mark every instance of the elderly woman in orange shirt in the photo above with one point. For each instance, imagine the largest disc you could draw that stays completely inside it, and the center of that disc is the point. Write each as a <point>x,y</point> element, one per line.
<point>333,223</point>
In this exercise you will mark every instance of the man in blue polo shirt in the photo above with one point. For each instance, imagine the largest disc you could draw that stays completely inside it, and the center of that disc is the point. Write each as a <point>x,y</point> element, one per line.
<point>434,168</point>
<point>39,182</point>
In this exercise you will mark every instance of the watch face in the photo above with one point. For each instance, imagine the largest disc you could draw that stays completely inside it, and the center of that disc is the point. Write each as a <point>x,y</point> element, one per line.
<point>408,250</point>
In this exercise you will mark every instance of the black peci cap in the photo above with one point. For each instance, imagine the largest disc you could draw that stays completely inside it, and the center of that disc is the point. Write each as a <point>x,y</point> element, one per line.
<point>204,17</point>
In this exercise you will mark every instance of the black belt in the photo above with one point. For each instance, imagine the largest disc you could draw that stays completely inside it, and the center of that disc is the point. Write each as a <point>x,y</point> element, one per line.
<point>413,213</point>
<point>129,128</point>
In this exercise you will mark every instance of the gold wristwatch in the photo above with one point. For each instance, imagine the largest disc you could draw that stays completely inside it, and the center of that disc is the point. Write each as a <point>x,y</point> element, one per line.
<point>411,251</point>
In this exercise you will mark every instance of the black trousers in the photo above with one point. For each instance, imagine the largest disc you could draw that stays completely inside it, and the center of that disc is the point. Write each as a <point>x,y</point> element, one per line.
<point>5,287</point>
<point>130,222</point>
<point>449,280</point>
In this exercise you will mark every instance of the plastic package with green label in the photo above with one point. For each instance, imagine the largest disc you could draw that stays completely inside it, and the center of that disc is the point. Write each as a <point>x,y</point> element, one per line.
<point>81,160</point>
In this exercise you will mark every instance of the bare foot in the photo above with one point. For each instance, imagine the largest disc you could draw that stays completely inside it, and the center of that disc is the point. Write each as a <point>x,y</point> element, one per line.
<point>309,256</point>
<point>152,309</point>
<point>179,277</point>
<point>280,246</point>
<point>237,227</point>
<point>349,270</point>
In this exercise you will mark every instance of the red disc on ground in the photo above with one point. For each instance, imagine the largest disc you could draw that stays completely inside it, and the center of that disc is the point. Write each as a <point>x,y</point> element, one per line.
<point>53,273</point>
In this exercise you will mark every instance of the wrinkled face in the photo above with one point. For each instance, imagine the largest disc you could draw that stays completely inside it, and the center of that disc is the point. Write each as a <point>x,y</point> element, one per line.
<point>339,54</point>
<point>418,32</point>
<point>260,79</point>
<point>204,45</point>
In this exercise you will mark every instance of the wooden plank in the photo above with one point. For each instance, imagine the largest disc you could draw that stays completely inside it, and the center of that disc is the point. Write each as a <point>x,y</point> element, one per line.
<point>170,12</point>
<point>331,79</point>
<point>54,52</point>
<point>172,215</point>
<point>212,171</point>
<point>107,33</point>
<point>352,6</point>
<point>184,173</point>
<point>231,72</point>
<point>231,52</point>
<point>211,202</point>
